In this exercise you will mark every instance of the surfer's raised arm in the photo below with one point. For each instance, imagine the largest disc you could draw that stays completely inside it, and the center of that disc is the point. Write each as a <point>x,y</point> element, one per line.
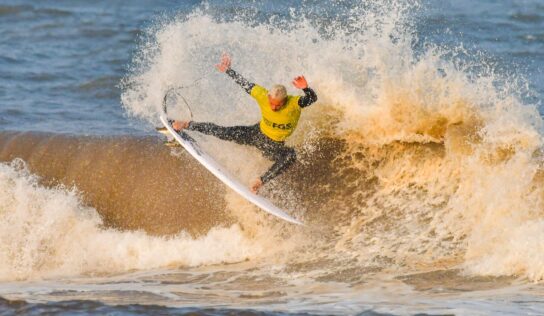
<point>224,66</point>
<point>309,96</point>
<point>243,82</point>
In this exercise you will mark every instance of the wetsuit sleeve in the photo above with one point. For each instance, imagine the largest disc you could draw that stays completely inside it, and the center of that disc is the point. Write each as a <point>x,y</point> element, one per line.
<point>239,79</point>
<point>308,98</point>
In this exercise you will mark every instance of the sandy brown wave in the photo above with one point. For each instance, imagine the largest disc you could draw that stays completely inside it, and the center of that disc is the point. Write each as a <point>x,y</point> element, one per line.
<point>133,182</point>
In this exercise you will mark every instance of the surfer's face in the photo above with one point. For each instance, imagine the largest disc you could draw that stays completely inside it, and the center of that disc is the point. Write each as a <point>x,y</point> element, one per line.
<point>275,104</point>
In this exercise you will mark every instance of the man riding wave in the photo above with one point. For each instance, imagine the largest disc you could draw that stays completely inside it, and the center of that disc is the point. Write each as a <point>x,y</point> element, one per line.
<point>280,115</point>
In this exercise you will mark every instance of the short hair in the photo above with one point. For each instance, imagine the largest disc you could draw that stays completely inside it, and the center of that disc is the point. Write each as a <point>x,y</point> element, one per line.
<point>278,92</point>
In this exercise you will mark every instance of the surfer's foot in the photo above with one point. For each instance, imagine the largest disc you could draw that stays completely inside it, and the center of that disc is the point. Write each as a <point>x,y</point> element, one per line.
<point>256,185</point>
<point>178,126</point>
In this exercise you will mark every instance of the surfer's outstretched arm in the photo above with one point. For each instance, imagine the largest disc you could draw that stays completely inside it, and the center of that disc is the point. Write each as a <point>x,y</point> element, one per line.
<point>239,79</point>
<point>224,66</point>
<point>308,98</point>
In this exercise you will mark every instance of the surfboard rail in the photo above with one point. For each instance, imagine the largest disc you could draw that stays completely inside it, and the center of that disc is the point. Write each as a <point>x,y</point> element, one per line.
<point>191,146</point>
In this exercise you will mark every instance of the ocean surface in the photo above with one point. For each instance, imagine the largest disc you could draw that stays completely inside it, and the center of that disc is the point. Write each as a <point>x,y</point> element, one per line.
<point>420,174</point>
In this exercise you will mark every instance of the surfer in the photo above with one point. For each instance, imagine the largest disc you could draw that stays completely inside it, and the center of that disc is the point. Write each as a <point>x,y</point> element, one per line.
<point>280,115</point>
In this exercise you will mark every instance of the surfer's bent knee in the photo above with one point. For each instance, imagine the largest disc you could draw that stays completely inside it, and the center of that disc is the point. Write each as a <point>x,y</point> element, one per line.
<point>290,156</point>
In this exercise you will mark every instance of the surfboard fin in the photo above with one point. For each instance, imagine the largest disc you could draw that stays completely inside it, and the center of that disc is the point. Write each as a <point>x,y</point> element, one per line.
<point>162,130</point>
<point>172,143</point>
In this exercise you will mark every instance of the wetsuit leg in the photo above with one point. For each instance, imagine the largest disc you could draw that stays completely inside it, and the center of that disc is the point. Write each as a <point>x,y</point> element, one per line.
<point>239,134</point>
<point>282,156</point>
<point>282,160</point>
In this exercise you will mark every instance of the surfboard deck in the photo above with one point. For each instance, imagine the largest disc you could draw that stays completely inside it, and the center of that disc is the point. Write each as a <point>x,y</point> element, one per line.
<point>191,146</point>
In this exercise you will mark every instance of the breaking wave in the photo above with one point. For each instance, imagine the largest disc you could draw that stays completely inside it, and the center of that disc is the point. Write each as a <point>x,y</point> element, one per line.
<point>411,160</point>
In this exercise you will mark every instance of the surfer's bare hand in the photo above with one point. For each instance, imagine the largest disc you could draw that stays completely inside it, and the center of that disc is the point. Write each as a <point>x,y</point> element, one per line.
<point>225,63</point>
<point>300,82</point>
<point>256,185</point>
<point>180,125</point>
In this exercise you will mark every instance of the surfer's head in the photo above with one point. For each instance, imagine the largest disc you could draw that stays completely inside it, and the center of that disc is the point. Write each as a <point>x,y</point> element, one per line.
<point>277,97</point>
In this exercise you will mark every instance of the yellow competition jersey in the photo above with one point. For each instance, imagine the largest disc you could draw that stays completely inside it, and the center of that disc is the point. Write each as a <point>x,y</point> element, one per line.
<point>277,125</point>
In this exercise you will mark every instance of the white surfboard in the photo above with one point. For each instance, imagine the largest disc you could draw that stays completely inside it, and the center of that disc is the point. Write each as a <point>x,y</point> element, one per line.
<point>209,163</point>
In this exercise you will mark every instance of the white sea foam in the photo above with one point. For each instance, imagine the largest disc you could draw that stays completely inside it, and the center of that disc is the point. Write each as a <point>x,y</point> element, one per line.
<point>455,154</point>
<point>48,232</point>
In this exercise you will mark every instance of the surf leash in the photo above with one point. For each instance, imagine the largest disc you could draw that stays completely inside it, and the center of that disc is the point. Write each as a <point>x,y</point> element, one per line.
<point>175,89</point>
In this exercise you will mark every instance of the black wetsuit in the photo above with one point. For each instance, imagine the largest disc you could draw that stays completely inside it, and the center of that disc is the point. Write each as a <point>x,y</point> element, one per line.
<point>278,152</point>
